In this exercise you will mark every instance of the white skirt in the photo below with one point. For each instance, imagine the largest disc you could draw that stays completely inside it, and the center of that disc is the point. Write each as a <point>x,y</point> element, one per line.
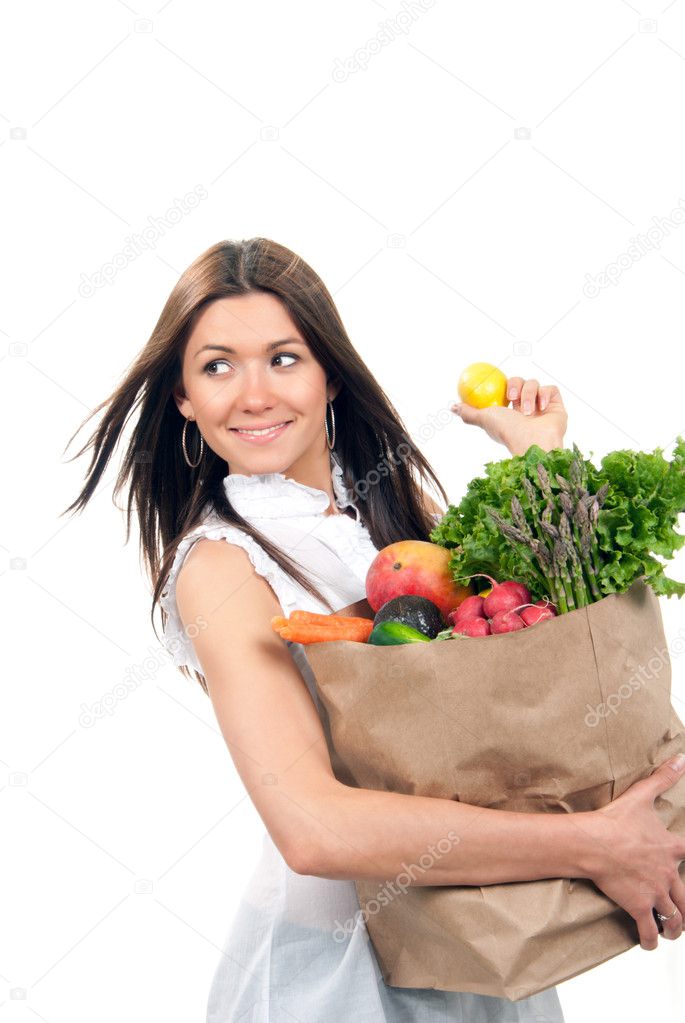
<point>298,951</point>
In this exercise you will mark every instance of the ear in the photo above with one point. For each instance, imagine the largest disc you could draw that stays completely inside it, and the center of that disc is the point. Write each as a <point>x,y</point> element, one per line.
<point>182,402</point>
<point>333,389</point>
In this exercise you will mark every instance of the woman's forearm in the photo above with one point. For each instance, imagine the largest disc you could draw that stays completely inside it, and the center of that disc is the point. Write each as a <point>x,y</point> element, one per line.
<point>374,836</point>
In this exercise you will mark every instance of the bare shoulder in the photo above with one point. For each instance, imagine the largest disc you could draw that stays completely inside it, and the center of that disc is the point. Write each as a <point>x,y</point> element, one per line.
<point>208,558</point>
<point>221,572</point>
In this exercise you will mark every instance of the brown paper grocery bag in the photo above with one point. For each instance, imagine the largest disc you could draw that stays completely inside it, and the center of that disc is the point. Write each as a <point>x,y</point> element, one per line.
<point>558,718</point>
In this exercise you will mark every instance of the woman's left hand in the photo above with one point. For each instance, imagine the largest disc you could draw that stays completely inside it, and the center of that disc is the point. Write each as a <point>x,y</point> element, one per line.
<point>537,416</point>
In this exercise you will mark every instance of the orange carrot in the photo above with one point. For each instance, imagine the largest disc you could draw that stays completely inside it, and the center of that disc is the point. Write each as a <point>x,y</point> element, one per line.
<point>304,632</point>
<point>312,618</point>
<point>277,621</point>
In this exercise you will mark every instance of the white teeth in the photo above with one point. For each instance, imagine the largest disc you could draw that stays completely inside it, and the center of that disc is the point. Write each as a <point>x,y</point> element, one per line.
<point>259,433</point>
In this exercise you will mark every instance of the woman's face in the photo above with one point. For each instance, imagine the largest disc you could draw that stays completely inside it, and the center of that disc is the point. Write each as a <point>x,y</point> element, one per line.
<point>251,387</point>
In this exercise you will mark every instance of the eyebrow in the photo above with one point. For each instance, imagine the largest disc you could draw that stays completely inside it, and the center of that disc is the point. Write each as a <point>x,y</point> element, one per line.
<point>232,351</point>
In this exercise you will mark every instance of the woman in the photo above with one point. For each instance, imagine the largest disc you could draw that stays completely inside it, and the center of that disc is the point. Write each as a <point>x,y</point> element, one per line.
<point>250,349</point>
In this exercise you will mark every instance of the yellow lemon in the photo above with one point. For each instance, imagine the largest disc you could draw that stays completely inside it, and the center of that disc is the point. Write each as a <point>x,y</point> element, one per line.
<point>482,384</point>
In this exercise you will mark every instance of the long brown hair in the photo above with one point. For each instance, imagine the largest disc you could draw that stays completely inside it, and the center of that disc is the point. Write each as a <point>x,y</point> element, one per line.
<point>170,498</point>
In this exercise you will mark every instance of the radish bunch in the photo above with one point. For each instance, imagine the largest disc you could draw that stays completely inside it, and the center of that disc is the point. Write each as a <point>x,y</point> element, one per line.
<point>507,608</point>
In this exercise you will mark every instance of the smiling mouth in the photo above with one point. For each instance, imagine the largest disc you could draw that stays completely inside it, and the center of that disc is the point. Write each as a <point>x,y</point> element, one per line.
<point>264,432</point>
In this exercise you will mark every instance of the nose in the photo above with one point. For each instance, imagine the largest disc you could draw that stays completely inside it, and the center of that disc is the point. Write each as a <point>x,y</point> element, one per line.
<point>255,392</point>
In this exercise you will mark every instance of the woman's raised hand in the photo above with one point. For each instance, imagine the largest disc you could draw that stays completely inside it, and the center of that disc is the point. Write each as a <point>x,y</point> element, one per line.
<point>537,416</point>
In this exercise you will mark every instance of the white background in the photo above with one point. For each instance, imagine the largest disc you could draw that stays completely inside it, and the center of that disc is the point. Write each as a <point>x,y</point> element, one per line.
<point>453,188</point>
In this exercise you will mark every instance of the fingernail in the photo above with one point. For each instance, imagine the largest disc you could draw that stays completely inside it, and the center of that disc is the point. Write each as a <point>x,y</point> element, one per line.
<point>678,762</point>
<point>526,408</point>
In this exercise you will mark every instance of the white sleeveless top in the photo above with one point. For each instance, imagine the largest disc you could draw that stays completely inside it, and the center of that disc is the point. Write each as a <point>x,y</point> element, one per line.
<point>334,550</point>
<point>298,948</point>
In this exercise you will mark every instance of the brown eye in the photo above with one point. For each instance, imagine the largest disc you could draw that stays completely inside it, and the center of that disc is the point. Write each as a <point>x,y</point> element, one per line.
<point>216,362</point>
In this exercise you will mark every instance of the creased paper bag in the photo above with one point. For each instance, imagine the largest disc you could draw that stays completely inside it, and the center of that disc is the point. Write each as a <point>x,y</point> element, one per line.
<point>557,718</point>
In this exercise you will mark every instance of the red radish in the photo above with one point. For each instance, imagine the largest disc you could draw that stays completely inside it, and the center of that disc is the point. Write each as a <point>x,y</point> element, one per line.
<point>533,615</point>
<point>503,596</point>
<point>540,611</point>
<point>474,626</point>
<point>506,621</point>
<point>471,607</point>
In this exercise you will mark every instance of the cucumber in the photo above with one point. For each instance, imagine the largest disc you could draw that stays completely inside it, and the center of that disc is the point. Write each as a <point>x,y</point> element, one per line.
<point>393,633</point>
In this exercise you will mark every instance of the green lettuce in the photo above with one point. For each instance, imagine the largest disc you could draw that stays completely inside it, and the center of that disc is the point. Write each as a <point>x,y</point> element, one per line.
<point>636,524</point>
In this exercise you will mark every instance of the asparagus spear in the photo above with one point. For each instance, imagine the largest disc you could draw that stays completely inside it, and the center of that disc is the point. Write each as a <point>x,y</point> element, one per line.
<point>530,491</point>
<point>580,467</point>
<point>576,515</point>
<point>574,472</point>
<point>566,502</point>
<point>518,512</point>
<point>518,537</point>
<point>545,485</point>
<point>539,548</point>
<point>601,494</point>
<point>519,517</point>
<point>585,533</point>
<point>563,589</point>
<point>593,515</point>
<point>561,553</point>
<point>564,592</point>
<point>561,557</point>
<point>542,540</point>
<point>582,522</point>
<point>579,589</point>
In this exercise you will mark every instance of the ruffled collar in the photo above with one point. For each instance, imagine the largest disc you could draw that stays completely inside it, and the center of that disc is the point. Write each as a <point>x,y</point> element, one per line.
<point>273,495</point>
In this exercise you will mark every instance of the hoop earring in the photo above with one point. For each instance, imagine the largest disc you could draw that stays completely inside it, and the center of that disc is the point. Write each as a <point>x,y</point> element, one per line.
<point>193,465</point>
<point>328,436</point>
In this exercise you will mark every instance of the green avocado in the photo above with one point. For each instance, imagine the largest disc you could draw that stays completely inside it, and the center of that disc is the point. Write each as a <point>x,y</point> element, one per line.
<point>394,633</point>
<point>411,609</point>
